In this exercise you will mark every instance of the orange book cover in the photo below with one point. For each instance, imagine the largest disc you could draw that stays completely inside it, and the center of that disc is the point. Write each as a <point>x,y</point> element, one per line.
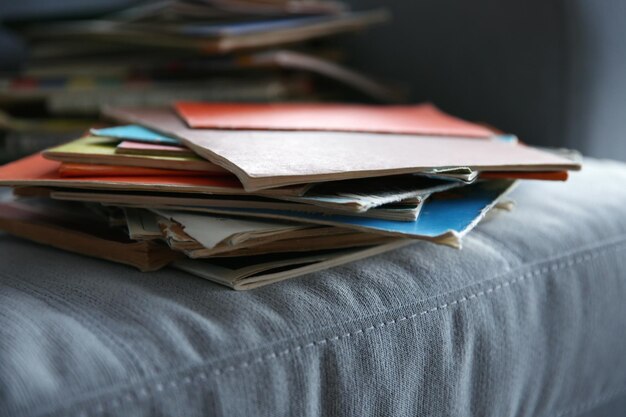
<point>541,175</point>
<point>35,170</point>
<point>68,170</point>
<point>421,119</point>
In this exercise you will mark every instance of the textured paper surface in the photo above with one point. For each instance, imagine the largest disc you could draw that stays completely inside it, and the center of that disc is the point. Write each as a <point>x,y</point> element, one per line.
<point>265,159</point>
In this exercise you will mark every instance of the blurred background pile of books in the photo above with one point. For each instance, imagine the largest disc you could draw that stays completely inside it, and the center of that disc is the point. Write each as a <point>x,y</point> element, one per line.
<point>156,52</point>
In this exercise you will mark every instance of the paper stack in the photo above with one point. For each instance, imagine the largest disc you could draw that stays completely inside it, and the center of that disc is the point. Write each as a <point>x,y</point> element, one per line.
<point>155,52</point>
<point>250,194</point>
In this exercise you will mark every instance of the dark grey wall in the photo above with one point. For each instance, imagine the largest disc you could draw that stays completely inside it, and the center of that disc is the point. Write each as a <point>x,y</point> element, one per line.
<point>553,72</point>
<point>46,9</point>
<point>597,85</point>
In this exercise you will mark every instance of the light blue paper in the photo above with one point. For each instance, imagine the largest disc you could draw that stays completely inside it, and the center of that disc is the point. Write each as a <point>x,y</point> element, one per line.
<point>135,133</point>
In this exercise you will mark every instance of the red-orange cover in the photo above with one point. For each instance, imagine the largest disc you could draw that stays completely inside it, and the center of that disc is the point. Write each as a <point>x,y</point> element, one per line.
<point>86,170</point>
<point>520,175</point>
<point>422,119</point>
<point>35,170</point>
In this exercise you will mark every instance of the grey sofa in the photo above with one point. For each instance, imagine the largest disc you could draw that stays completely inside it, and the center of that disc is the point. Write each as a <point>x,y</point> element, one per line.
<point>528,319</point>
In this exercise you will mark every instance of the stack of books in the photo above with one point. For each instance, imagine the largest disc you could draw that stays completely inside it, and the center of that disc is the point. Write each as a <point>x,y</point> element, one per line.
<point>250,194</point>
<point>157,52</point>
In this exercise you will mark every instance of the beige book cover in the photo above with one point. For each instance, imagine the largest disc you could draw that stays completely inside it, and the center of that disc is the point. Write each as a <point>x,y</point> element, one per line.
<point>268,159</point>
<point>260,271</point>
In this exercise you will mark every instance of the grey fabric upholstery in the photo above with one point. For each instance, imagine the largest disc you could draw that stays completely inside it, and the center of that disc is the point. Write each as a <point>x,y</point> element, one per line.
<point>528,319</point>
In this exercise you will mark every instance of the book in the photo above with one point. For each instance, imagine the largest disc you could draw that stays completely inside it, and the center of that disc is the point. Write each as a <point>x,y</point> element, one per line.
<point>356,196</point>
<point>323,66</point>
<point>148,149</point>
<point>304,239</point>
<point>361,195</point>
<point>142,225</point>
<point>268,159</point>
<point>37,171</point>
<point>296,60</point>
<point>406,210</point>
<point>80,96</point>
<point>204,235</point>
<point>300,30</point>
<point>103,151</point>
<point>258,271</point>
<point>421,119</point>
<point>83,234</point>
<point>444,218</point>
<point>309,240</point>
<point>68,169</point>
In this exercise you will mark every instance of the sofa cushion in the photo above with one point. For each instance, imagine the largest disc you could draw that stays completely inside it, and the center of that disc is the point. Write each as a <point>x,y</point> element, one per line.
<point>528,319</point>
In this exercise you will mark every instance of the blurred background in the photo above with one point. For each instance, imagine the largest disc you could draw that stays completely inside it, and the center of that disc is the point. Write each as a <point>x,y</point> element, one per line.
<point>552,72</point>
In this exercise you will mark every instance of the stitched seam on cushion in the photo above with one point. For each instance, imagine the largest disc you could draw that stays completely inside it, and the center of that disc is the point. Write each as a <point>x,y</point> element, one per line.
<point>612,243</point>
<point>203,375</point>
<point>586,406</point>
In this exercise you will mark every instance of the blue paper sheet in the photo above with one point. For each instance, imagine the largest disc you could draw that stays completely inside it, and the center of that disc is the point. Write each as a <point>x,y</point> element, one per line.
<point>135,133</point>
<point>451,213</point>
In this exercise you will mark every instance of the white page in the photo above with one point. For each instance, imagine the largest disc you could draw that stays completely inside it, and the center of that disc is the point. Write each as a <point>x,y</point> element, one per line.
<point>141,224</point>
<point>210,230</point>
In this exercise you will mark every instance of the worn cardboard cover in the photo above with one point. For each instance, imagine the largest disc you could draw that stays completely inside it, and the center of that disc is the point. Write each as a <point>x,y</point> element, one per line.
<point>86,235</point>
